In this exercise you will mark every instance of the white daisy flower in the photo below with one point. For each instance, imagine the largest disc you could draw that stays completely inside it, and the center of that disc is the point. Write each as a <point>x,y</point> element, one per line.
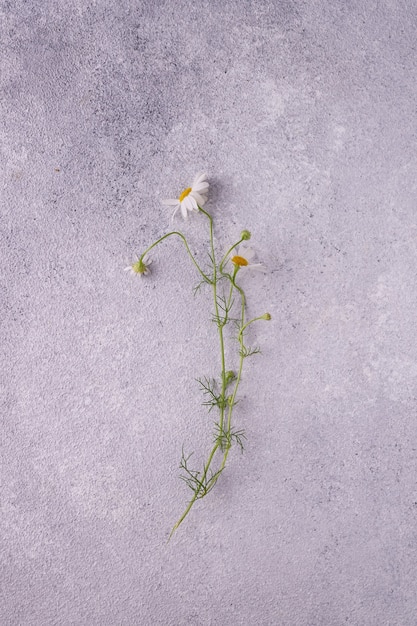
<point>140,267</point>
<point>191,198</point>
<point>243,259</point>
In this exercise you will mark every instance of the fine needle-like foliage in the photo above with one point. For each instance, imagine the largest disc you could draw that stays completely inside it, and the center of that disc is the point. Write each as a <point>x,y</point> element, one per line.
<point>229,307</point>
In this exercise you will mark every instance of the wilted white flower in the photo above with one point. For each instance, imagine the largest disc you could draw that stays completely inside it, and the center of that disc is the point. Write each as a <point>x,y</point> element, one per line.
<point>190,198</point>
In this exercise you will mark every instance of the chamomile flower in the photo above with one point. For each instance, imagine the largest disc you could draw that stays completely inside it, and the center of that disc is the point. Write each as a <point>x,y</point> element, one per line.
<point>190,198</point>
<point>140,267</point>
<point>242,260</point>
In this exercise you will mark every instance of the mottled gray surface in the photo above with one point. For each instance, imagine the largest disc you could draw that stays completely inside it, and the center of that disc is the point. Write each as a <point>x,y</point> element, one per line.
<point>303,113</point>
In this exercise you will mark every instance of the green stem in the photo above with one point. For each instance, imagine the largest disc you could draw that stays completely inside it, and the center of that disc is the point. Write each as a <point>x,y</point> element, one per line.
<point>229,300</point>
<point>255,319</point>
<point>205,277</point>
<point>216,308</point>
<point>195,496</point>
<point>203,483</point>
<point>239,374</point>
<point>224,259</point>
<point>223,392</point>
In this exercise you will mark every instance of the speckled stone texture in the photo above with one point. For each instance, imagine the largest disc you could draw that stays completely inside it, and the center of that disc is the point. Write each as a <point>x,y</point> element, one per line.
<point>303,114</point>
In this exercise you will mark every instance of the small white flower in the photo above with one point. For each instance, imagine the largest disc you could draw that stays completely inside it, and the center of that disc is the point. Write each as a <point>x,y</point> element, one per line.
<point>140,267</point>
<point>243,259</point>
<point>191,198</point>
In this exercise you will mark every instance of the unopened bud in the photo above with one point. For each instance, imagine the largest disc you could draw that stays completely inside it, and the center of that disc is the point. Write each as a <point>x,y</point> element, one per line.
<point>266,316</point>
<point>230,375</point>
<point>245,235</point>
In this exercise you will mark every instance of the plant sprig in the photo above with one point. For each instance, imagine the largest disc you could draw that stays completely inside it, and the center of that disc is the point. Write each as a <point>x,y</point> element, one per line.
<point>219,395</point>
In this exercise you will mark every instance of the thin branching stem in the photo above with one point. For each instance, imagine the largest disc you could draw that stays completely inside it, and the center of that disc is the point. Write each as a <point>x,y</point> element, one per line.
<point>223,375</point>
<point>197,490</point>
<point>201,482</point>
<point>216,307</point>
<point>205,277</point>
<point>229,301</point>
<point>232,399</point>
<point>255,319</point>
<point>226,256</point>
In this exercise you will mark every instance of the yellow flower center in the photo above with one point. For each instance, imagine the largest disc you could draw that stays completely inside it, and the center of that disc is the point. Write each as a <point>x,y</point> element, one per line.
<point>239,260</point>
<point>184,194</point>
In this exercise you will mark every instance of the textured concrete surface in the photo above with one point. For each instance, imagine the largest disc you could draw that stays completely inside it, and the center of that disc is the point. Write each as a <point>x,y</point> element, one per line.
<point>303,114</point>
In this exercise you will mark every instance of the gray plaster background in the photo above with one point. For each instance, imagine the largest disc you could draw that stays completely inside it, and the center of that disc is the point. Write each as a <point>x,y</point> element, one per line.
<point>303,113</point>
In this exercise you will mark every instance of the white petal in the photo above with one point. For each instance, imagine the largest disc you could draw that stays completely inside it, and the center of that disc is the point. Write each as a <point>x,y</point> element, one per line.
<point>199,178</point>
<point>193,202</point>
<point>198,198</point>
<point>247,253</point>
<point>170,202</point>
<point>184,210</point>
<point>127,269</point>
<point>201,187</point>
<point>190,203</point>
<point>175,212</point>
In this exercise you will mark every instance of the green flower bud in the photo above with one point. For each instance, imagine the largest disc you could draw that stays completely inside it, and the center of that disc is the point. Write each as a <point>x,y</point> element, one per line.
<point>140,267</point>
<point>266,316</point>
<point>245,235</point>
<point>230,375</point>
